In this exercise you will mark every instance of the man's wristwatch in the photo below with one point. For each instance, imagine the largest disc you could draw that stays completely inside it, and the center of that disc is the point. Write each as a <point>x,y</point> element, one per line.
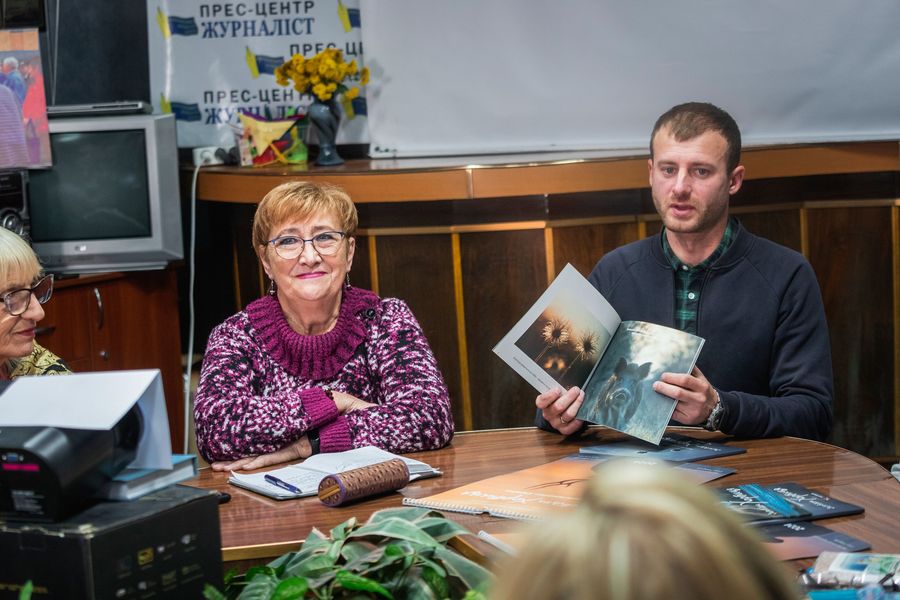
<point>714,420</point>
<point>313,436</point>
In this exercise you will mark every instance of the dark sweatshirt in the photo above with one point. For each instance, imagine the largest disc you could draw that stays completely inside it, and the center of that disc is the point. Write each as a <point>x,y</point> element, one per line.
<point>767,350</point>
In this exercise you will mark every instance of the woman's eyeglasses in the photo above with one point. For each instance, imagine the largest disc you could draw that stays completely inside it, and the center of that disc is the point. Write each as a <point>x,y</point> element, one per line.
<point>17,301</point>
<point>290,247</point>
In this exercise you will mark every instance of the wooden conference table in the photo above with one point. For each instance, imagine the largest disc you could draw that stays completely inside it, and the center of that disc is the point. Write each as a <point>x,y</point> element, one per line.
<point>256,529</point>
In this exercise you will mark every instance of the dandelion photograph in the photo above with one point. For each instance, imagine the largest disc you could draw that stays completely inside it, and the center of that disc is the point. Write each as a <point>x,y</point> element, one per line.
<point>565,341</point>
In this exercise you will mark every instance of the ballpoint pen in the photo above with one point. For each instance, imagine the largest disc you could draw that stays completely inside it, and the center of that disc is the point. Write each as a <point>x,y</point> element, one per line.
<point>283,484</point>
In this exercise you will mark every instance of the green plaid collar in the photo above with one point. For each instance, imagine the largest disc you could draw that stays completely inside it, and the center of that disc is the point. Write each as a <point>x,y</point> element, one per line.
<point>689,280</point>
<point>724,244</point>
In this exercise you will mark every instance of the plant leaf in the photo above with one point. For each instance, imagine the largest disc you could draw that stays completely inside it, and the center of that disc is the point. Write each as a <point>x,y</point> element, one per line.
<point>340,531</point>
<point>210,592</point>
<point>292,588</point>
<point>350,581</point>
<point>26,591</point>
<point>334,550</point>
<point>470,573</point>
<point>312,566</point>
<point>398,529</point>
<point>407,513</point>
<point>430,564</point>
<point>441,529</point>
<point>254,571</point>
<point>436,578</point>
<point>353,551</point>
<point>418,588</point>
<point>279,562</point>
<point>260,587</point>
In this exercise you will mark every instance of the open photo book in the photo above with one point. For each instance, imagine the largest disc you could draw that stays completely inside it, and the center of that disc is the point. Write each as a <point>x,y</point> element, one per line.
<point>573,337</point>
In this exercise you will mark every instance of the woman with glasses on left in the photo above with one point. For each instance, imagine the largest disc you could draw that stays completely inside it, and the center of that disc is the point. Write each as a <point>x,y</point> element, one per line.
<point>316,365</point>
<point>23,288</point>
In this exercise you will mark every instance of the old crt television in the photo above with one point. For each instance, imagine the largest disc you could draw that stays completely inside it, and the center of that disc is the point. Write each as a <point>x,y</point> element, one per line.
<point>110,202</point>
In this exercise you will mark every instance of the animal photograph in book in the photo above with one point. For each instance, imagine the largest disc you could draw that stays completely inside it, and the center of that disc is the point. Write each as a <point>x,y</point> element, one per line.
<point>620,392</point>
<point>565,341</point>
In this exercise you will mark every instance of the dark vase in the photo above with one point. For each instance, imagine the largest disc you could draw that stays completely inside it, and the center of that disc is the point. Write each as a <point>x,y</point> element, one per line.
<point>325,116</point>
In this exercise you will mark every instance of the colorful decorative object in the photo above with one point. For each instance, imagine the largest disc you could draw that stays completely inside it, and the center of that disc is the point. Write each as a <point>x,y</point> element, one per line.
<point>323,77</point>
<point>273,141</point>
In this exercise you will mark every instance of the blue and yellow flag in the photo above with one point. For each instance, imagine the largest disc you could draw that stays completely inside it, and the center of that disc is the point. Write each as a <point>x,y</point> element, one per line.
<point>355,107</point>
<point>349,16</point>
<point>257,63</point>
<point>175,25</point>
<point>164,105</point>
<point>185,112</point>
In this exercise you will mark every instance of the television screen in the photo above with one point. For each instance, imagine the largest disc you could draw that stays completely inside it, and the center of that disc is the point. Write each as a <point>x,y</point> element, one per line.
<point>101,180</point>
<point>111,200</point>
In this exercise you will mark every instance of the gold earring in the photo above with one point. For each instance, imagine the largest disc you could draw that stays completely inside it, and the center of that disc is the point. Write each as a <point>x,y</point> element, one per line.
<point>348,281</point>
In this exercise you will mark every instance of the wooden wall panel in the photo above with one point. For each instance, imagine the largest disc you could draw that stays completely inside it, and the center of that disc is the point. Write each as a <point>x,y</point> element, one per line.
<point>584,245</point>
<point>780,226</point>
<point>850,250</point>
<point>250,280</point>
<point>361,271</point>
<point>503,274</point>
<point>419,270</point>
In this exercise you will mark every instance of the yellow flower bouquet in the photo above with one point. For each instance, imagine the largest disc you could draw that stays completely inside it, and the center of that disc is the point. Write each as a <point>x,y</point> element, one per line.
<point>323,75</point>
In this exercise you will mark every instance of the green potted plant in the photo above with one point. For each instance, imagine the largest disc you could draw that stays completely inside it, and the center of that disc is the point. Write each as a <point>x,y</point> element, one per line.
<point>397,553</point>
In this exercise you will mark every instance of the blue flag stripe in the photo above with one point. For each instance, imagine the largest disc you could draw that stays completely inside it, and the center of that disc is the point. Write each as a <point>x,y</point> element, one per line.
<point>267,64</point>
<point>186,112</point>
<point>183,26</point>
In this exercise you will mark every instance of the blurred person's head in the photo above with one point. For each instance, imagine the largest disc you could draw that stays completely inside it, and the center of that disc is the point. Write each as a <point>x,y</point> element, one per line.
<point>642,533</point>
<point>22,291</point>
<point>10,63</point>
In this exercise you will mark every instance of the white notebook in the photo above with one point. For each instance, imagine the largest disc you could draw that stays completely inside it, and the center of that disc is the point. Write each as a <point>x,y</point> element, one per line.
<point>302,479</point>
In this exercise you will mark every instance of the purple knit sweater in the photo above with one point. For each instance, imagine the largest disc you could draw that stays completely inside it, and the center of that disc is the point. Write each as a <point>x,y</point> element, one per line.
<point>262,385</point>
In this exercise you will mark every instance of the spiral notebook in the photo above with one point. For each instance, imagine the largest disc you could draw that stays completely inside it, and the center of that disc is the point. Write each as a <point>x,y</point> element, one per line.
<point>534,492</point>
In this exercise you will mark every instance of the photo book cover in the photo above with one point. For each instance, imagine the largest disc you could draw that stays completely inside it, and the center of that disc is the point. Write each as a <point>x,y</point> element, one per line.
<point>572,336</point>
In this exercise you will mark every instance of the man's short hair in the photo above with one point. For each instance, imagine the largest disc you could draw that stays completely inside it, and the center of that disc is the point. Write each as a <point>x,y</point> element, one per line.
<point>691,119</point>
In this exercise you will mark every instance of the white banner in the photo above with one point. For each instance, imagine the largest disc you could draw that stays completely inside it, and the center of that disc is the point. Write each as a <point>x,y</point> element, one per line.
<point>495,76</point>
<point>211,59</point>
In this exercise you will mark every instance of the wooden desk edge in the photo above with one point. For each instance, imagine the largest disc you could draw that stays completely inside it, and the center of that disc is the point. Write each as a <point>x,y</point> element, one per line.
<point>459,180</point>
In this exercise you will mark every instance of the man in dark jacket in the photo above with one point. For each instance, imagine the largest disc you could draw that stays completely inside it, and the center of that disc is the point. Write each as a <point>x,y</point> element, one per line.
<point>765,369</point>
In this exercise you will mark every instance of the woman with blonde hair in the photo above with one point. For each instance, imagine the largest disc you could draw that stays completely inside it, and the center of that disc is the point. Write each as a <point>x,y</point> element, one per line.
<point>316,365</point>
<point>644,533</point>
<point>23,289</point>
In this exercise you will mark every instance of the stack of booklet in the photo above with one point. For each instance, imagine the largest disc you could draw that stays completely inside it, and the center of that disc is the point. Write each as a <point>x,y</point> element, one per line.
<point>302,479</point>
<point>673,447</point>
<point>532,493</point>
<point>131,484</point>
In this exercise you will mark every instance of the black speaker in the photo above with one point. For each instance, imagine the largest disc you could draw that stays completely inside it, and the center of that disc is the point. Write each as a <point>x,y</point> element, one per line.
<point>13,207</point>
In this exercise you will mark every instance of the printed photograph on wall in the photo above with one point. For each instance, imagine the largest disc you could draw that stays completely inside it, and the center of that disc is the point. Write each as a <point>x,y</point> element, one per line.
<point>24,132</point>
